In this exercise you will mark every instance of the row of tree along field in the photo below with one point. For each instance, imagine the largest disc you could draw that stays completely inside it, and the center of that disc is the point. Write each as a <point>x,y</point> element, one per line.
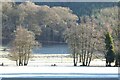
<point>24,22</point>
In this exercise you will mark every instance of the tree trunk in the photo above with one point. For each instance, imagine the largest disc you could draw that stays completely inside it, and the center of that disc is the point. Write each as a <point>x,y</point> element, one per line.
<point>74,59</point>
<point>90,58</point>
<point>80,57</point>
<point>25,60</point>
<point>16,62</point>
<point>84,56</point>
<point>74,56</point>
<point>87,58</point>
<point>109,64</point>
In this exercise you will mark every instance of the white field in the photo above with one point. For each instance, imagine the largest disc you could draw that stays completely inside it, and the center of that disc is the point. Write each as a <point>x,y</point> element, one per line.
<point>59,72</point>
<point>40,66</point>
<point>48,60</point>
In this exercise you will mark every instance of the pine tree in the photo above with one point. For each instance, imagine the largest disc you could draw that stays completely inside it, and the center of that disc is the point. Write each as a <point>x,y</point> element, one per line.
<point>110,53</point>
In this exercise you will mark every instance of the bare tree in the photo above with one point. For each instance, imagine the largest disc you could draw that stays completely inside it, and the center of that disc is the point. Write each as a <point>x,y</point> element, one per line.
<point>87,39</point>
<point>82,40</point>
<point>22,46</point>
<point>71,37</point>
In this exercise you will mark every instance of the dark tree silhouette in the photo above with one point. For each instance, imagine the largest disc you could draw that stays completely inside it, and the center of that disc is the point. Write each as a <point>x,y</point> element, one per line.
<point>110,54</point>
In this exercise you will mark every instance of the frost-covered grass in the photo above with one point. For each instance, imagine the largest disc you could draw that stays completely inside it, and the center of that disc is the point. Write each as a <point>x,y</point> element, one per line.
<point>61,60</point>
<point>41,67</point>
<point>48,60</point>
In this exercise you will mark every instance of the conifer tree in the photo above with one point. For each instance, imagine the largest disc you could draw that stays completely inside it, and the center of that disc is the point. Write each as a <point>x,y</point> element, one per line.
<point>110,54</point>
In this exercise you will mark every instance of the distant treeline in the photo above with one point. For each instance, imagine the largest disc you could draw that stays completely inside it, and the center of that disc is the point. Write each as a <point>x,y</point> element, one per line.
<point>81,8</point>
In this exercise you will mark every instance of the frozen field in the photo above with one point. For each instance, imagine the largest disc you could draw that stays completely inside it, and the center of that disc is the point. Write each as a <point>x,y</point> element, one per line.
<point>39,68</point>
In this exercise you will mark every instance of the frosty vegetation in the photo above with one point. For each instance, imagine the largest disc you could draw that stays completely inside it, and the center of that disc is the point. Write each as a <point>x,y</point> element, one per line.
<point>27,22</point>
<point>22,46</point>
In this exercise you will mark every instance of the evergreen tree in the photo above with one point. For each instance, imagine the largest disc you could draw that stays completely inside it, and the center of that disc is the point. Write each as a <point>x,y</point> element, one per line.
<point>110,54</point>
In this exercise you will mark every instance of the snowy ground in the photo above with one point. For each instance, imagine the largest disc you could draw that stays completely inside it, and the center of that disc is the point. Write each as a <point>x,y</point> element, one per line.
<point>41,67</point>
<point>47,60</point>
<point>69,72</point>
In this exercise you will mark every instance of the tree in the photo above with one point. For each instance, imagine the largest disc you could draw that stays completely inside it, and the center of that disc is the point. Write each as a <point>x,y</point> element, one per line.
<point>110,54</point>
<point>71,37</point>
<point>117,30</point>
<point>117,62</point>
<point>45,20</point>
<point>117,44</point>
<point>108,20</point>
<point>82,40</point>
<point>88,39</point>
<point>22,46</point>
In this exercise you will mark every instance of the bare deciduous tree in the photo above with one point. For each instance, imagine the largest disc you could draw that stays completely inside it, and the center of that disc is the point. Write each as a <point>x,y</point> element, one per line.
<point>22,46</point>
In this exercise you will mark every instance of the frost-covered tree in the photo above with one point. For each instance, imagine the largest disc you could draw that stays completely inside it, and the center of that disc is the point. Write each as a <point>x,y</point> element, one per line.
<point>88,38</point>
<point>22,46</point>
<point>108,21</point>
<point>82,40</point>
<point>117,62</point>
<point>117,58</point>
<point>72,38</point>
<point>51,22</point>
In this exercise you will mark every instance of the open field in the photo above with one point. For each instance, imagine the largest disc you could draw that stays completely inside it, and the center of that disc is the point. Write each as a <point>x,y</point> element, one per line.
<point>48,60</point>
<point>39,67</point>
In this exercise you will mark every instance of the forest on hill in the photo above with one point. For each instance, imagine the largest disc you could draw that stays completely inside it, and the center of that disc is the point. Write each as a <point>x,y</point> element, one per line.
<point>48,34</point>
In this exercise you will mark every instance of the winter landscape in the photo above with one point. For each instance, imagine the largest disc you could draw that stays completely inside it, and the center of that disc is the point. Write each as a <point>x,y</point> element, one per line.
<point>59,40</point>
